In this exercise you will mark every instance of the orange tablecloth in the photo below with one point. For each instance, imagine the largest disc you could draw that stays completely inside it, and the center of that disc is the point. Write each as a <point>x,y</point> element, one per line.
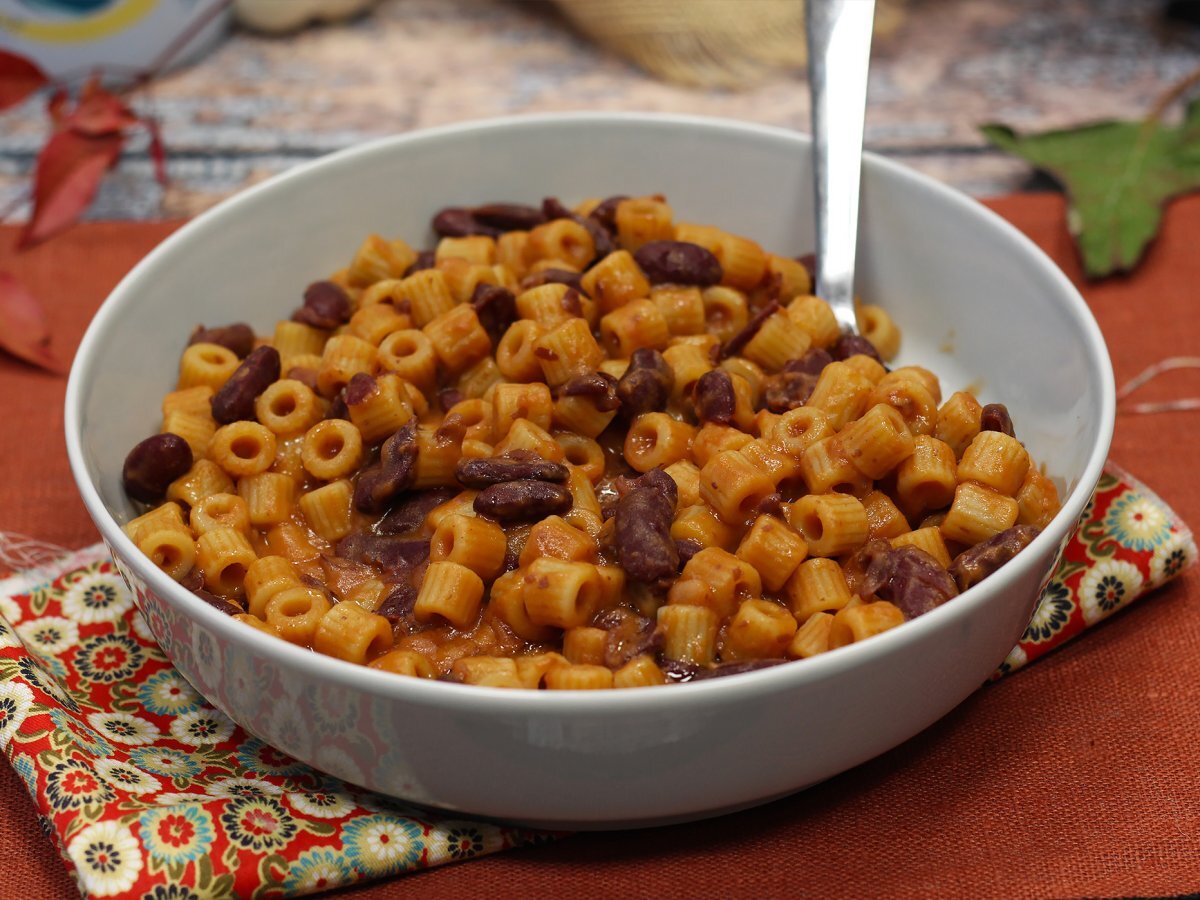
<point>1078,776</point>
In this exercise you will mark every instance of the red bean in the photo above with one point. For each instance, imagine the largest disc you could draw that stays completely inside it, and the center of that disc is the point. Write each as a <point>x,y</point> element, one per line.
<point>482,472</point>
<point>238,337</point>
<point>326,306</point>
<point>976,563</point>
<point>735,344</point>
<point>395,472</point>
<point>643,528</point>
<point>606,212</point>
<point>426,259</point>
<point>509,216</point>
<point>647,383</point>
<point>409,514</point>
<point>396,555</point>
<point>552,276</point>
<point>460,222</point>
<point>600,386</point>
<point>226,606</point>
<point>448,398</point>
<point>787,390</point>
<point>678,262</point>
<point>714,398</point>
<point>906,576</point>
<point>522,501</point>
<point>813,362</point>
<point>995,417</point>
<point>496,308</point>
<point>630,634</point>
<point>601,238</point>
<point>848,345</point>
<point>153,464</point>
<point>398,604</point>
<point>235,400</point>
<point>361,387</point>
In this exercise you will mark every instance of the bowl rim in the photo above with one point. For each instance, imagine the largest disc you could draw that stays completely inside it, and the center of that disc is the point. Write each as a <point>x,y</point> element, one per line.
<point>433,692</point>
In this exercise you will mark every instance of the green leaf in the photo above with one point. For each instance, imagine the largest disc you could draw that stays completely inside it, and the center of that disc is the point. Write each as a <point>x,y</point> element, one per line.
<point>1118,176</point>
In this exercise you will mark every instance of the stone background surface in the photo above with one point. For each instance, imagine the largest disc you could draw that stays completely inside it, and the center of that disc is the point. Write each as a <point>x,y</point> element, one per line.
<point>256,105</point>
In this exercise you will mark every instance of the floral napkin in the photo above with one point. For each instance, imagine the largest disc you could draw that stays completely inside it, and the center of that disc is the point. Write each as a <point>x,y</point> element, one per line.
<point>150,792</point>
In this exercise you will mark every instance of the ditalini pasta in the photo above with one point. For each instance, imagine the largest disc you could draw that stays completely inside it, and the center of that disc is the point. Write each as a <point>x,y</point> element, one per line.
<point>578,449</point>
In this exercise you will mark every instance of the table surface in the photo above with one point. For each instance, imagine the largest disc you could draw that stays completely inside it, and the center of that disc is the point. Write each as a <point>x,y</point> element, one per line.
<point>258,105</point>
<point>1075,777</point>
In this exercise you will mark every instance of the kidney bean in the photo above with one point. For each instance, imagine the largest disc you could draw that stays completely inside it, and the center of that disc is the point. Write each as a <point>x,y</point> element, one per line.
<point>337,407</point>
<point>787,390</point>
<point>995,417</point>
<point>771,287</point>
<point>552,276</point>
<point>509,216</point>
<point>601,238</point>
<point>238,337</point>
<point>643,528</point>
<point>482,472</point>
<point>496,308</point>
<point>409,514</point>
<point>738,667</point>
<point>378,485</point>
<point>813,362</point>
<point>448,398</point>
<point>714,398</point>
<point>630,634</point>
<point>226,606</point>
<point>426,259</point>
<point>647,383</point>
<point>235,400</point>
<point>976,563</point>
<point>571,304</point>
<point>455,221</point>
<point>522,501</point>
<point>678,262</point>
<point>809,261</point>
<point>848,345</point>
<point>606,213</point>
<point>396,555</point>
<point>687,548</point>
<point>678,672</point>
<point>398,604</point>
<point>906,576</point>
<point>318,583</point>
<point>600,386</point>
<point>326,306</point>
<point>153,464</point>
<point>735,344</point>
<point>361,387</point>
<point>303,374</point>
<point>770,505</point>
<point>553,208</point>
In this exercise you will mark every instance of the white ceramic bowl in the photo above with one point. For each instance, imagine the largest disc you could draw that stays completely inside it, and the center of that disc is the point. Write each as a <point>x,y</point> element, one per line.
<point>978,304</point>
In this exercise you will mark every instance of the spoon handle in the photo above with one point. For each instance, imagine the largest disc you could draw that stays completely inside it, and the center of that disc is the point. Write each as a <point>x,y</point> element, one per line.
<point>839,50</point>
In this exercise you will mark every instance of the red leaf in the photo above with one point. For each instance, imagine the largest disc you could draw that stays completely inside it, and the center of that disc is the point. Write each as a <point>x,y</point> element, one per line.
<point>24,331</point>
<point>99,112</point>
<point>158,150</point>
<point>56,106</point>
<point>69,170</point>
<point>18,79</point>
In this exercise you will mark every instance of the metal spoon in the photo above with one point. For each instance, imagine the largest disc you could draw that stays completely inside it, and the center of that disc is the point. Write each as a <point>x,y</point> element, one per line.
<point>839,52</point>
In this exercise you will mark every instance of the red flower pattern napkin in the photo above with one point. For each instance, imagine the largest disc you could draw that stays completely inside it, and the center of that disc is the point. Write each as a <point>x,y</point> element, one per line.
<point>150,792</point>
